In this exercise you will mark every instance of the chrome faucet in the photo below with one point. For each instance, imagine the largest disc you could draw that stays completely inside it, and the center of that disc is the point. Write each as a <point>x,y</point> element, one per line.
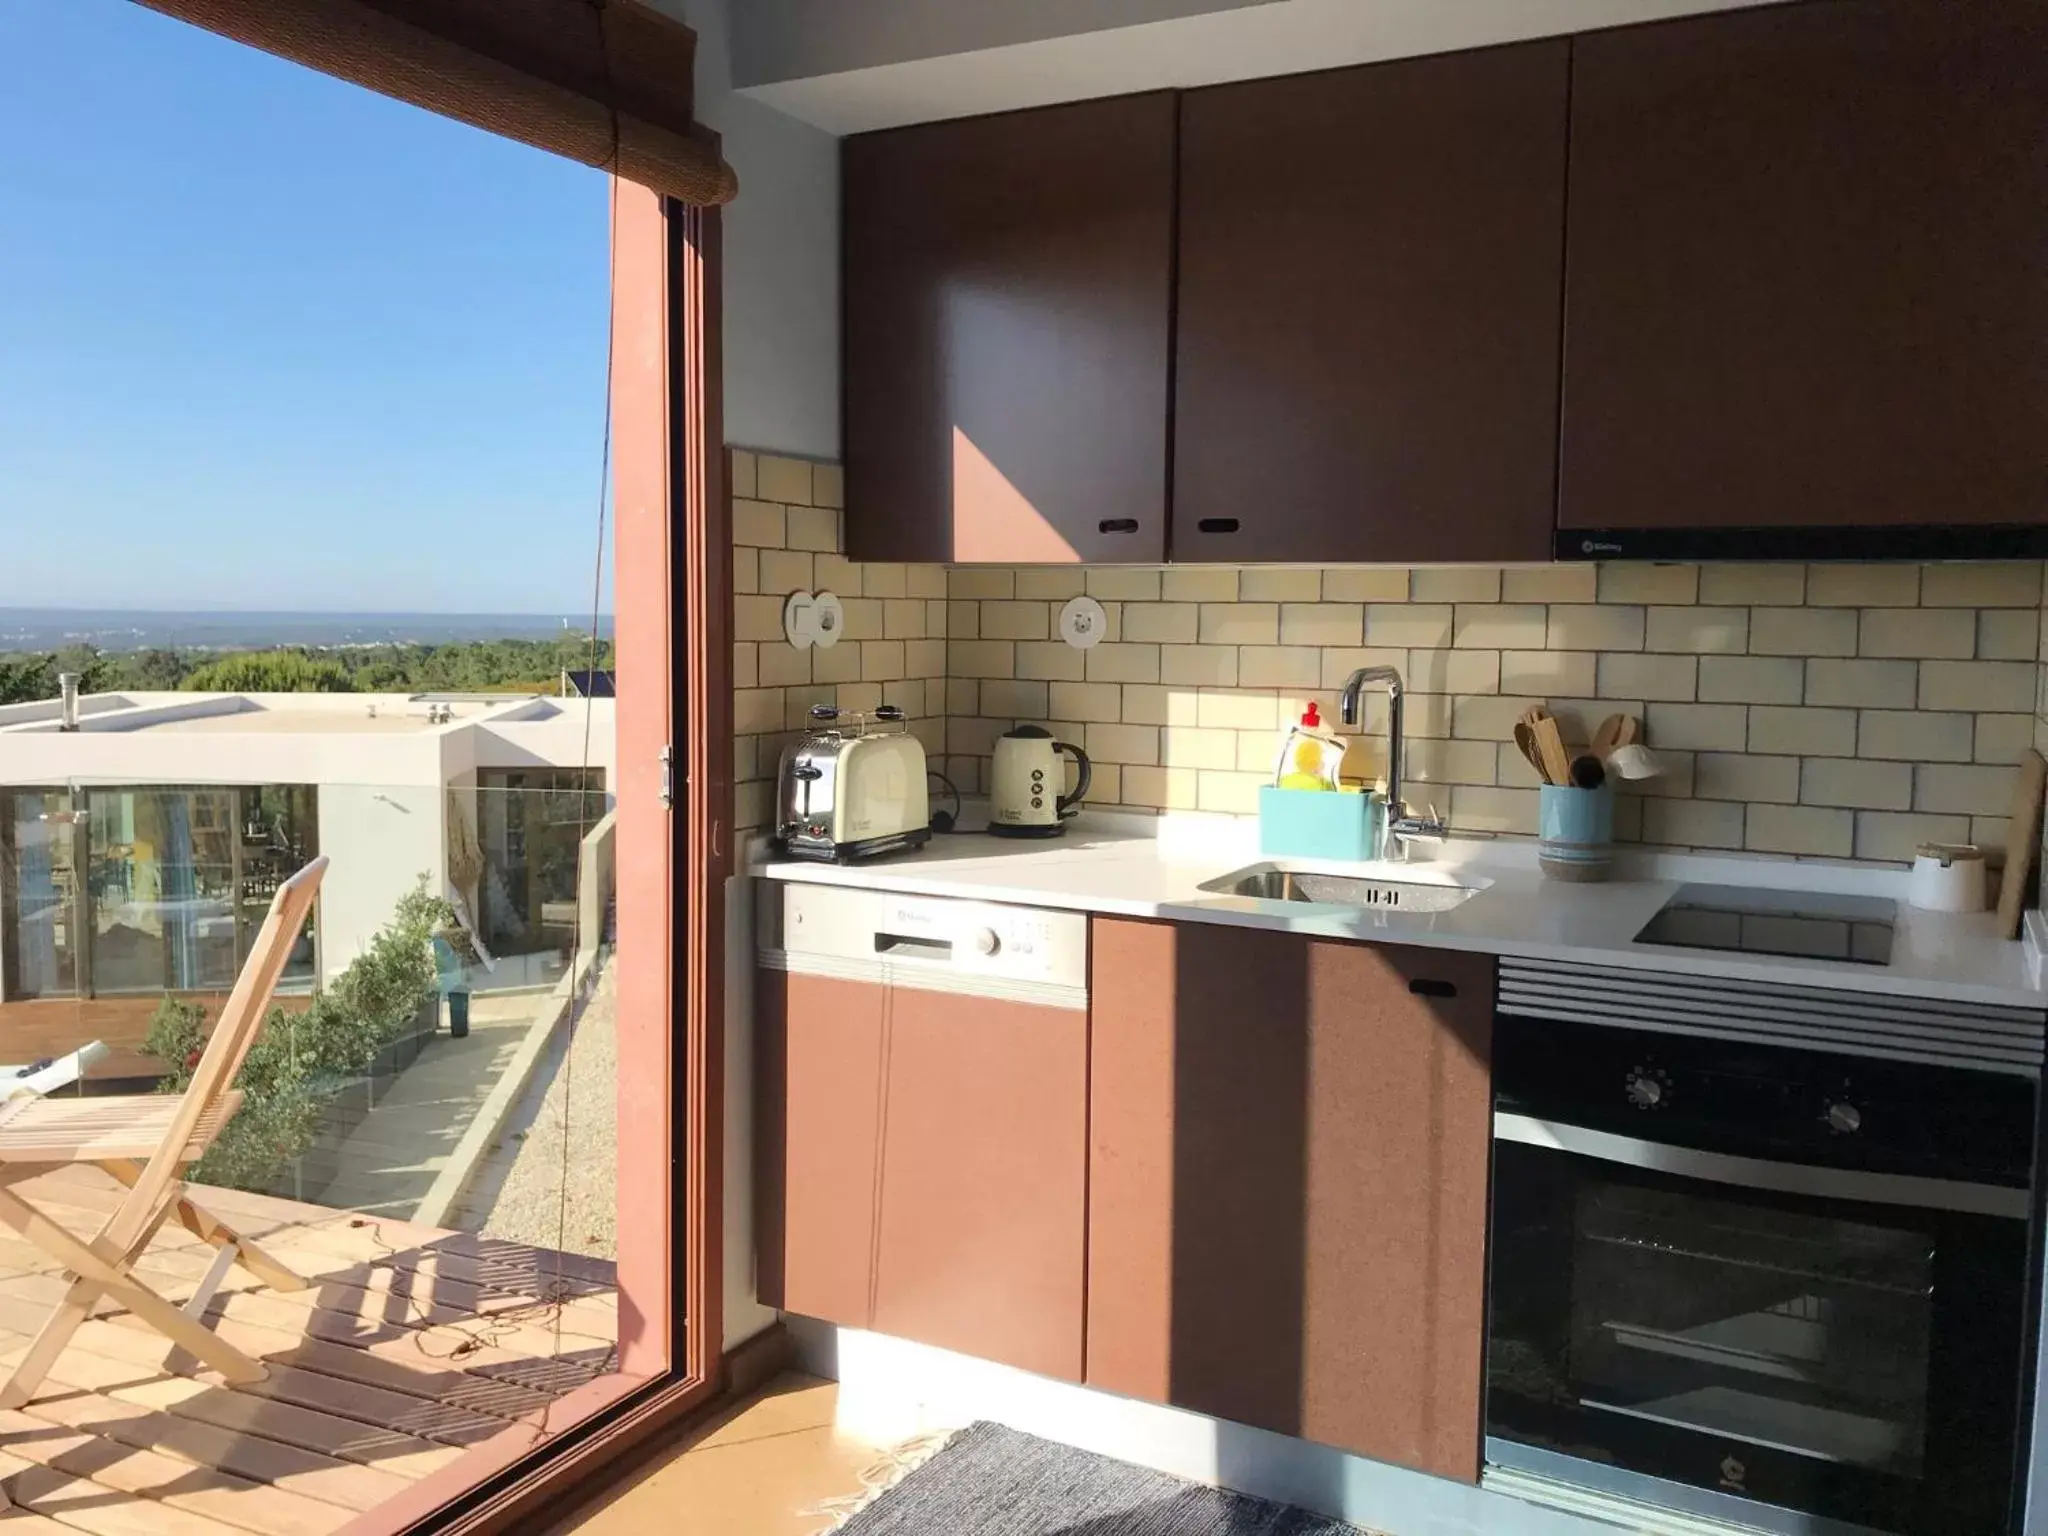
<point>1396,825</point>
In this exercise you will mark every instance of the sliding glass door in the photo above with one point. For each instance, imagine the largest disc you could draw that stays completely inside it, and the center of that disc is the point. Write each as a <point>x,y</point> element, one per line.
<point>39,895</point>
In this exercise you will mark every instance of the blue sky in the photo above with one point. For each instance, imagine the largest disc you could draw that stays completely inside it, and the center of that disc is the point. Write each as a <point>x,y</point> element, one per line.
<point>270,341</point>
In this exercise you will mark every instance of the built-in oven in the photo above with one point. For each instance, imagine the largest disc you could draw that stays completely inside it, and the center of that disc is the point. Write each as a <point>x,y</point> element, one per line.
<point>1760,1255</point>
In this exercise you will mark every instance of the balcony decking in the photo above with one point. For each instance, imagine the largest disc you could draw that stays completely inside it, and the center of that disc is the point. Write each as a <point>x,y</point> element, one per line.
<point>411,1345</point>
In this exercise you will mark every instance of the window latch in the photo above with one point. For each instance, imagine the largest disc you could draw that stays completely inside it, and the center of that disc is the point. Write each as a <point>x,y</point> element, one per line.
<point>668,777</point>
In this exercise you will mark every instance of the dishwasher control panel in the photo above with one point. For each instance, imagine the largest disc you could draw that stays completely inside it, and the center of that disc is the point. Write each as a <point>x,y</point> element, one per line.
<point>935,933</point>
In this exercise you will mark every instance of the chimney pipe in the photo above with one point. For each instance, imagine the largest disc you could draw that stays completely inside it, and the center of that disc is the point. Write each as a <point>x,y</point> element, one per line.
<point>67,685</point>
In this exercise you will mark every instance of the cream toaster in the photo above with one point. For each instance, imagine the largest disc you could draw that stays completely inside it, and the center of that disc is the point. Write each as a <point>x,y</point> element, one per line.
<point>852,788</point>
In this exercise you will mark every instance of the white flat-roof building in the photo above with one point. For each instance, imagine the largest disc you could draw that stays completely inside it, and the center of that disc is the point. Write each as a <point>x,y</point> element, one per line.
<point>142,836</point>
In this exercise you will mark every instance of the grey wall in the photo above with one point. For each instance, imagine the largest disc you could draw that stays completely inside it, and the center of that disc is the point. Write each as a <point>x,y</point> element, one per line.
<point>781,258</point>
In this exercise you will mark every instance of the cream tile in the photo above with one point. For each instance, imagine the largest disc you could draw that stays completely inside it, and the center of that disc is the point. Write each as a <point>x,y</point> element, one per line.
<point>756,618</point>
<point>1340,662</point>
<point>1804,829</point>
<point>814,528</point>
<point>784,480</point>
<point>1626,675</point>
<point>981,658</point>
<point>1867,786</point>
<point>756,711</point>
<point>1916,736</point>
<point>1052,660</point>
<point>828,485</point>
<point>1365,584</point>
<point>963,696</point>
<point>1895,836</point>
<point>1150,704</point>
<point>1255,752</point>
<point>1185,747</point>
<point>1862,586</point>
<point>2002,738</point>
<point>1551,584</point>
<point>1106,786</point>
<point>1597,627</point>
<point>759,524</point>
<point>1693,824</point>
<point>1989,831</point>
<point>1457,762</point>
<point>743,758</point>
<point>836,573</point>
<point>1088,701</point>
<point>1802,631</point>
<point>1991,687</point>
<point>1862,684</point>
<point>1279,666</point>
<point>1124,743</point>
<point>1511,769</point>
<point>1321,624</point>
<point>746,667</point>
<point>1008,699</point>
<point>975,737</point>
<point>1953,789</point>
<point>1802,732</point>
<point>1052,583</point>
<point>1123,584</point>
<point>1239,712</point>
<point>1752,680</point>
<point>1698,631</point>
<point>1486,717</point>
<point>784,666</point>
<point>1475,808</point>
<point>1627,583</point>
<point>908,695</point>
<point>884,578</point>
<point>1406,624</point>
<point>963,620</point>
<point>2008,634</point>
<point>881,661</point>
<point>1171,623</point>
<point>1500,626</point>
<point>1198,665</point>
<point>1696,727</point>
<point>934,617</point>
<point>1453,671</point>
<point>1199,584</point>
<point>1114,662</point>
<point>839,664</point>
<point>1234,794</point>
<point>1738,776</point>
<point>740,477</point>
<point>1166,789</point>
<point>979,581</point>
<point>926,580</point>
<point>863,618</point>
<point>1277,584</point>
<point>1748,585</point>
<point>1541,673</point>
<point>2002,584</point>
<point>1454,584</point>
<point>746,569</point>
<point>1240,624</point>
<point>1016,621</point>
<point>1919,632</point>
<point>784,571</point>
<point>750,805</point>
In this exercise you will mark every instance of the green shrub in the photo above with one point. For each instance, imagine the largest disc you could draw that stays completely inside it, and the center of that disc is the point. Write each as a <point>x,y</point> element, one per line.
<point>300,1060</point>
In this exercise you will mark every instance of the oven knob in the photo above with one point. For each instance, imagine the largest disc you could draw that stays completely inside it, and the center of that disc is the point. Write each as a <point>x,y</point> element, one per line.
<point>1646,1088</point>
<point>986,941</point>
<point>1844,1119</point>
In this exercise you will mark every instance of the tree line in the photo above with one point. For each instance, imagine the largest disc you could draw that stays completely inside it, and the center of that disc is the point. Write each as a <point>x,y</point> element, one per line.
<point>464,666</point>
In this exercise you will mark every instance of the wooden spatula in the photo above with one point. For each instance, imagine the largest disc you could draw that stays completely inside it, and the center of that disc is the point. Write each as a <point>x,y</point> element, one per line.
<point>1608,736</point>
<point>2022,840</point>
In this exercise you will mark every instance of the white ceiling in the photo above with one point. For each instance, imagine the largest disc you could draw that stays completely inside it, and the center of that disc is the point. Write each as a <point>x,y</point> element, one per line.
<point>1246,41</point>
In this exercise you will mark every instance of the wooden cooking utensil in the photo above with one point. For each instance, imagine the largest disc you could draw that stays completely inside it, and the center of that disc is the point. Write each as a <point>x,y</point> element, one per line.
<point>1525,739</point>
<point>1557,763</point>
<point>1629,733</point>
<point>2022,841</point>
<point>1607,737</point>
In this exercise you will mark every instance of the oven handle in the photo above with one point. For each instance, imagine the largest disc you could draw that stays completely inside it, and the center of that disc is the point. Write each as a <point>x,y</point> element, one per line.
<point>1755,1173</point>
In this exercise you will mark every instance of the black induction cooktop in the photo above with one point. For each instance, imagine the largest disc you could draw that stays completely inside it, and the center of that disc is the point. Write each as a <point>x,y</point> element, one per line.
<point>1806,925</point>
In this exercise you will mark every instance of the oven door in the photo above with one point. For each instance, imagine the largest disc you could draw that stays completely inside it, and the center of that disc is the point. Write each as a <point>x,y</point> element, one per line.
<point>1839,1344</point>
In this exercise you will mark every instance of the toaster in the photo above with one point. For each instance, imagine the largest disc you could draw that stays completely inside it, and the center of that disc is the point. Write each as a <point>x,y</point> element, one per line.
<point>852,788</point>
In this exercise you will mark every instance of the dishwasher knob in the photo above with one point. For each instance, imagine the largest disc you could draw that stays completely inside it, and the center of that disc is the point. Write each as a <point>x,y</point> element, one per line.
<point>987,941</point>
<point>1645,1088</point>
<point>1844,1119</point>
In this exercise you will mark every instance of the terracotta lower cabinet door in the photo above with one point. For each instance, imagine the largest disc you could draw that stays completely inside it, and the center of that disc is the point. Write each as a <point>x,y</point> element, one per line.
<point>818,1142</point>
<point>984,1179</point>
<point>1288,1151</point>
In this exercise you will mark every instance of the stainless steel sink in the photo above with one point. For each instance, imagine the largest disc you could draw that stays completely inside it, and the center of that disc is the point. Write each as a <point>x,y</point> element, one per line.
<point>1277,882</point>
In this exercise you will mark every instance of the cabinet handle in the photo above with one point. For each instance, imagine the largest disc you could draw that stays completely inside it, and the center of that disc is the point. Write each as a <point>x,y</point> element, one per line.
<point>1424,987</point>
<point>1217,525</point>
<point>1118,525</point>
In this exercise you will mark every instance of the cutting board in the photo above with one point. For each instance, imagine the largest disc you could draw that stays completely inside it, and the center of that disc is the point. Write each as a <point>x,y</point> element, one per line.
<point>2022,841</point>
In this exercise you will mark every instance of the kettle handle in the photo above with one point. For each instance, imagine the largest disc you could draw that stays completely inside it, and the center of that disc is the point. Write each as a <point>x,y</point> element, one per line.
<point>1068,805</point>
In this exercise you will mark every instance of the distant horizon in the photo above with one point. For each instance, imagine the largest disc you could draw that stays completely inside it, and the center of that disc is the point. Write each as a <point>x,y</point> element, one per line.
<point>113,630</point>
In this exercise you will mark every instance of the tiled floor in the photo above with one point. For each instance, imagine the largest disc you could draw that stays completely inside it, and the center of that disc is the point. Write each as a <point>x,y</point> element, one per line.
<point>411,1344</point>
<point>776,1466</point>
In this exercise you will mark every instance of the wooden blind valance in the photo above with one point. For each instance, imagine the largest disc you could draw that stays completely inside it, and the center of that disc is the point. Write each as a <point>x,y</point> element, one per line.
<point>606,82</point>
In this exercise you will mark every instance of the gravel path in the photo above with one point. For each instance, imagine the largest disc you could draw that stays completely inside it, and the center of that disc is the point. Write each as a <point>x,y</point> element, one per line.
<point>566,1121</point>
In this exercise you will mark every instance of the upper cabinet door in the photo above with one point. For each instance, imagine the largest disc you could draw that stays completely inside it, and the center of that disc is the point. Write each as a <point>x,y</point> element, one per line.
<point>1367,335</point>
<point>1008,292</point>
<point>1808,273</point>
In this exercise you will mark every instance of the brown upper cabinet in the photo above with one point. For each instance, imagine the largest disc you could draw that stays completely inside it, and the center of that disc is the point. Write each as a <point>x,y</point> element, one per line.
<point>1007,301</point>
<point>1808,274</point>
<point>1367,334</point>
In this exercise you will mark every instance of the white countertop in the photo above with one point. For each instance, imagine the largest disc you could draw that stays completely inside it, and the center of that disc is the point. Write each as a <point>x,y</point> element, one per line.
<point>1141,867</point>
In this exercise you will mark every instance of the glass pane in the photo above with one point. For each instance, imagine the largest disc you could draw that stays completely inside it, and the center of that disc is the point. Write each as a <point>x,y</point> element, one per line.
<point>39,893</point>
<point>161,890</point>
<point>1786,1329</point>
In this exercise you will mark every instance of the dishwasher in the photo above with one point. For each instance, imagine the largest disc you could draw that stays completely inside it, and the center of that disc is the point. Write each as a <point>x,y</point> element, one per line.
<point>922,1119</point>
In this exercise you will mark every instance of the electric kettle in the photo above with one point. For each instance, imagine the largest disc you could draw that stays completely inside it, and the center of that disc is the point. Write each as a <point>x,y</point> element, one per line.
<point>1025,798</point>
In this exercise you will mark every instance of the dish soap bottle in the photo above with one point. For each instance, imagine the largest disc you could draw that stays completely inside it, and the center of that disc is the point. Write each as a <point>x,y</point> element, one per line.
<point>1310,754</point>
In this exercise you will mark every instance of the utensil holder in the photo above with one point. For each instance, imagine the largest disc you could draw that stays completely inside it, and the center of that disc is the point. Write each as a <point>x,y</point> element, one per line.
<point>1316,824</point>
<point>1576,827</point>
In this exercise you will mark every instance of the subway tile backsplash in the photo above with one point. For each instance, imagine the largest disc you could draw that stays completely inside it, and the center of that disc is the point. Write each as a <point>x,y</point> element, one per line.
<point>1828,711</point>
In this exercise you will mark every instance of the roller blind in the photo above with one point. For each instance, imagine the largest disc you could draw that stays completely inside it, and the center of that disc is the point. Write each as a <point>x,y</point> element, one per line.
<point>606,82</point>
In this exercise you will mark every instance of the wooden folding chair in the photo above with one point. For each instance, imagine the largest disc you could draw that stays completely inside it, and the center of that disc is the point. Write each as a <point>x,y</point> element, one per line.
<point>146,1142</point>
